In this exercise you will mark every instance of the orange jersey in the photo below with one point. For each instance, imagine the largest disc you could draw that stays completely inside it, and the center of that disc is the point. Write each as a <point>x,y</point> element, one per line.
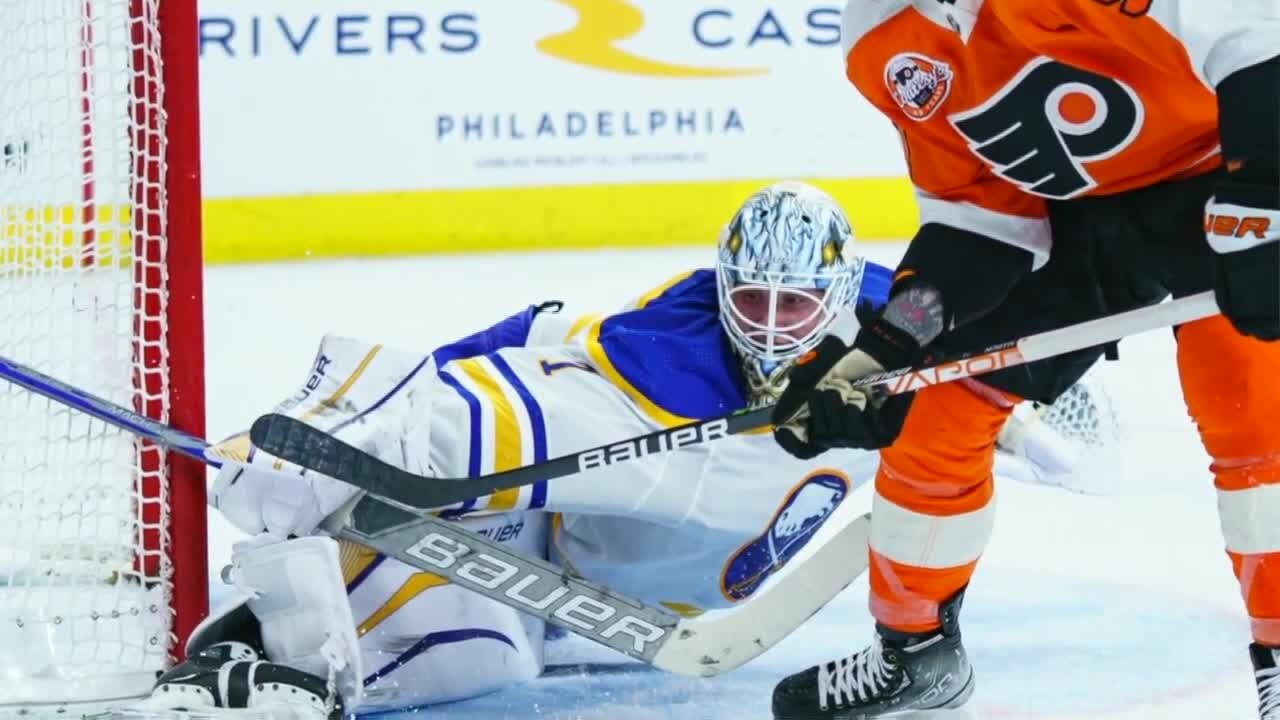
<point>1003,104</point>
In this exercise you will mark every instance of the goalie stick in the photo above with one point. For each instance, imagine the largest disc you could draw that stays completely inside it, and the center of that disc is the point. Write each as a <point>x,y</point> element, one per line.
<point>698,647</point>
<point>312,448</point>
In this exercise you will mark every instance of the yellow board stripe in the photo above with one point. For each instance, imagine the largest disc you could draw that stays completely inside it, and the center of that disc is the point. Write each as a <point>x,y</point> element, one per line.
<point>654,214</point>
<point>508,450</point>
<point>412,588</point>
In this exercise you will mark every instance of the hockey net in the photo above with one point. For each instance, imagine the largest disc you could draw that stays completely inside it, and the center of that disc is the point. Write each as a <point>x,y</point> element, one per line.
<point>102,560</point>
<point>1086,415</point>
<point>1076,443</point>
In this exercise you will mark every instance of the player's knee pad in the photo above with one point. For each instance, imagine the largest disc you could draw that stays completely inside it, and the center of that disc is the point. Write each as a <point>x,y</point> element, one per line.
<point>934,506</point>
<point>1231,387</point>
<point>427,641</point>
<point>1229,382</point>
<point>295,591</point>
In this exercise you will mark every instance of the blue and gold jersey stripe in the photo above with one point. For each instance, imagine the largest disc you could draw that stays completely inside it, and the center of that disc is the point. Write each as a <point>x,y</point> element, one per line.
<point>602,362</point>
<point>508,448</point>
<point>600,357</point>
<point>537,424</point>
<point>507,428</point>
<point>580,325</point>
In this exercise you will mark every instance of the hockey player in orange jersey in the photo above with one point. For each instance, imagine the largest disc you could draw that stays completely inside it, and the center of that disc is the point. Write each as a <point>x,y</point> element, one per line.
<point>1081,157</point>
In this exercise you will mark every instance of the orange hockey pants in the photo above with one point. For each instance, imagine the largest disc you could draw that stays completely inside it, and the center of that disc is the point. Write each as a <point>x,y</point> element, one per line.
<point>934,505</point>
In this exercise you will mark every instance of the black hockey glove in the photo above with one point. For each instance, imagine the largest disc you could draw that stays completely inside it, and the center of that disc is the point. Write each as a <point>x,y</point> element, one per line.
<point>1243,219</point>
<point>1243,228</point>
<point>820,409</point>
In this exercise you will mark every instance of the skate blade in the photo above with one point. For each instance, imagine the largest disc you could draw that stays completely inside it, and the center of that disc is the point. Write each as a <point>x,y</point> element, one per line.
<point>278,712</point>
<point>960,713</point>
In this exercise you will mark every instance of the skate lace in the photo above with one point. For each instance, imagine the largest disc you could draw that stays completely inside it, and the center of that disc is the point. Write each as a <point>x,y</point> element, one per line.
<point>1269,693</point>
<point>857,678</point>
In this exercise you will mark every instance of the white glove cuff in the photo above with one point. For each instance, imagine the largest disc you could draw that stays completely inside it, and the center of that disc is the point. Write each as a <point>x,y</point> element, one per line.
<point>1232,228</point>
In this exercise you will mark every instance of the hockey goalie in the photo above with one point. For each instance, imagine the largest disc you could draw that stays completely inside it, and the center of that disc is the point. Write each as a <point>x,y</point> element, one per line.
<point>315,628</point>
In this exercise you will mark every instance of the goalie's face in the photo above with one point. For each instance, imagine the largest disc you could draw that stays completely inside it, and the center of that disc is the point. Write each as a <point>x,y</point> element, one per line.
<point>776,322</point>
<point>786,265</point>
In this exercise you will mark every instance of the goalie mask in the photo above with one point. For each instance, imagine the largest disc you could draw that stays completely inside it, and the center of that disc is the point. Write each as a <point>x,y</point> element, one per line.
<point>786,266</point>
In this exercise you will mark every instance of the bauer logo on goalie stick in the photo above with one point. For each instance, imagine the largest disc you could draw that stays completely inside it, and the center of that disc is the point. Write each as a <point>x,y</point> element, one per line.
<point>662,442</point>
<point>544,594</point>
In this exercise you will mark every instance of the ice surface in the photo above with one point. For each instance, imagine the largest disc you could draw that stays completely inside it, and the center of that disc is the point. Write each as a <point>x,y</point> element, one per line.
<point>1084,607</point>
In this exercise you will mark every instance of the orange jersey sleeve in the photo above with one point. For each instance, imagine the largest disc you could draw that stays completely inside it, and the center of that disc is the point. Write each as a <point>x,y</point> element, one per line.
<point>1167,55</point>
<point>1004,104</point>
<point>905,65</point>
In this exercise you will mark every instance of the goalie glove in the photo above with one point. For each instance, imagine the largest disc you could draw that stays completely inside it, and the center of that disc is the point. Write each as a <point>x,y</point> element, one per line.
<point>820,408</point>
<point>260,494</point>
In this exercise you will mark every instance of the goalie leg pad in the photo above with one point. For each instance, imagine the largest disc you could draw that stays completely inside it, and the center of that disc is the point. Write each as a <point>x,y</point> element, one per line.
<point>300,600</point>
<point>427,641</point>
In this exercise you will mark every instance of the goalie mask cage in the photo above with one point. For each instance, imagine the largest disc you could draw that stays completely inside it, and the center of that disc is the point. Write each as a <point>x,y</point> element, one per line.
<point>102,537</point>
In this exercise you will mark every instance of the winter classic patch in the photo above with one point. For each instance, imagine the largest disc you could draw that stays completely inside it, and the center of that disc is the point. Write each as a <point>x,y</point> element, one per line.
<point>918,84</point>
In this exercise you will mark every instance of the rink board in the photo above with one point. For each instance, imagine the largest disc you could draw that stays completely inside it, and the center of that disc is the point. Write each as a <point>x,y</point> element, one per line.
<point>518,218</point>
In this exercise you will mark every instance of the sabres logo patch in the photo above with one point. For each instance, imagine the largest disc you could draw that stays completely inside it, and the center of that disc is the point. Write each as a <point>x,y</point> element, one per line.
<point>918,84</point>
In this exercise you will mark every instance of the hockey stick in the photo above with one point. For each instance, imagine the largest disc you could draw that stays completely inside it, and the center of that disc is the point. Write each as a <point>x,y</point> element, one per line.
<point>312,448</point>
<point>700,647</point>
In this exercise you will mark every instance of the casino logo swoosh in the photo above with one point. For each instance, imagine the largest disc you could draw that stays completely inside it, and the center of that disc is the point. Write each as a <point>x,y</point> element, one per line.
<point>603,23</point>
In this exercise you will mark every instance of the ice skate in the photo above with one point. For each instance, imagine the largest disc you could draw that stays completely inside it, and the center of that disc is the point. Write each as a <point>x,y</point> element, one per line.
<point>1266,671</point>
<point>899,675</point>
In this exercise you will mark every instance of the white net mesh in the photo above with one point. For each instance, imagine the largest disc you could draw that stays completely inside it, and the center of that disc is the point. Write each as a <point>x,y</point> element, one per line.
<point>84,570</point>
<point>1085,414</point>
<point>1075,443</point>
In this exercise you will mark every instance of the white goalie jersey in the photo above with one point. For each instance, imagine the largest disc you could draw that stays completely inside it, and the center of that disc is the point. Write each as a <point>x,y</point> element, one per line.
<point>695,529</point>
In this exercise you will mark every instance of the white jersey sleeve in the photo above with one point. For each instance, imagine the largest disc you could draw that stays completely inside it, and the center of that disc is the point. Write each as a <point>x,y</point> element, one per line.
<point>1220,37</point>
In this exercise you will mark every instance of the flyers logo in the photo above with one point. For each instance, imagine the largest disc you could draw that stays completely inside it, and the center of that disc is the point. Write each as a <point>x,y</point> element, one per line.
<point>918,84</point>
<point>1040,129</point>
